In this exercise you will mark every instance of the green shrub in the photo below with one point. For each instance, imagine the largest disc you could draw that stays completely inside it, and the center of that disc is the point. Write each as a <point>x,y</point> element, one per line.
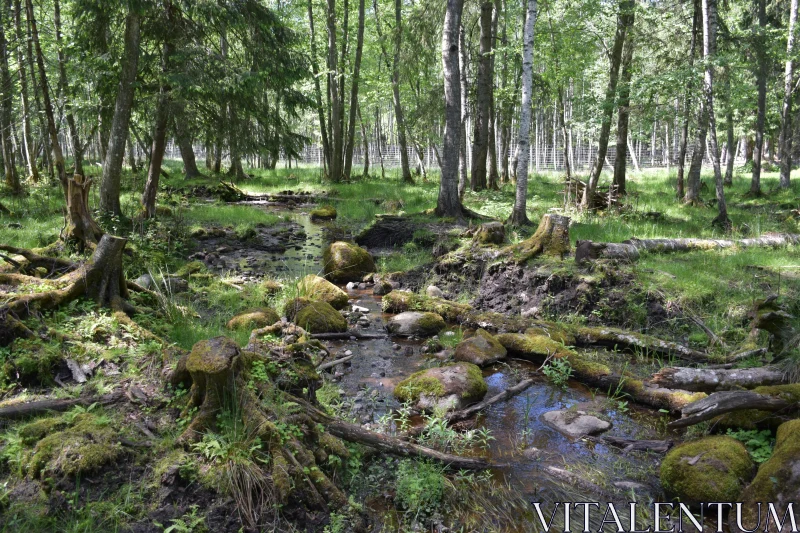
<point>420,487</point>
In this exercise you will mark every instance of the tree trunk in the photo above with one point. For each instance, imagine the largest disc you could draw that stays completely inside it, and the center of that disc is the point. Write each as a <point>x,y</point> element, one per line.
<point>159,129</point>
<point>30,152</point>
<point>709,51</point>
<point>449,202</point>
<point>11,175</point>
<point>317,91</point>
<point>184,141</point>
<point>462,145</point>
<point>712,380</point>
<point>623,115</point>
<point>731,142</point>
<point>494,175</point>
<point>550,238</point>
<point>483,96</point>
<point>398,108</point>
<point>77,146</point>
<point>351,127</point>
<point>337,143</point>
<point>519,215</point>
<point>112,166</point>
<point>785,140</point>
<point>624,23</point>
<point>687,105</point>
<point>365,141</point>
<point>762,65</point>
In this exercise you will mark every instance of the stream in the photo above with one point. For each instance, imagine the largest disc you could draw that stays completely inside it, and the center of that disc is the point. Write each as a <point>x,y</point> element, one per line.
<point>521,443</point>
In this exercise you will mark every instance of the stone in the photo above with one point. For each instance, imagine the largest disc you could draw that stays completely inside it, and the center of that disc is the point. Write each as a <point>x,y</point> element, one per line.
<point>490,233</point>
<point>381,288</point>
<point>145,280</point>
<point>351,286</point>
<point>323,213</point>
<point>320,317</point>
<point>449,387</point>
<point>359,309</point>
<point>434,291</point>
<point>345,261</point>
<point>415,323</point>
<point>711,469</point>
<point>174,285</point>
<point>575,424</point>
<point>317,288</point>
<point>482,349</point>
<point>253,318</point>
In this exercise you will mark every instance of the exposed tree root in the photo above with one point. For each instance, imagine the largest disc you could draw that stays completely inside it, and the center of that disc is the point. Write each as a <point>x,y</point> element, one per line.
<point>53,265</point>
<point>550,238</point>
<point>100,279</point>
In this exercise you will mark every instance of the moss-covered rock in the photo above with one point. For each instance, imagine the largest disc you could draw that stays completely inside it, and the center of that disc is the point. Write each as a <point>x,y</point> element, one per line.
<point>345,261</point>
<point>777,480</point>
<point>35,431</point>
<point>32,362</point>
<point>323,213</point>
<point>401,301</point>
<point>320,317</point>
<point>533,347</point>
<point>192,267</point>
<point>481,349</point>
<point>711,469</point>
<point>253,318</point>
<point>414,323</point>
<point>293,306</point>
<point>317,288</point>
<point>447,388</point>
<point>88,444</point>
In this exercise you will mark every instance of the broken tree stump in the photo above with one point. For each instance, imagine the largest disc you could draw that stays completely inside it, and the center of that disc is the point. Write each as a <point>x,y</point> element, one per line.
<point>550,238</point>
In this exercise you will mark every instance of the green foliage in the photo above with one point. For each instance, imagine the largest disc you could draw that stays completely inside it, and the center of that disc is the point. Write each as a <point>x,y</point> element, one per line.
<point>420,487</point>
<point>558,371</point>
<point>759,444</point>
<point>188,523</point>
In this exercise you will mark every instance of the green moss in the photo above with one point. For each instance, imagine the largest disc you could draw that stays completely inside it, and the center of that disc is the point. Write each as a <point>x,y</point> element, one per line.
<point>789,392</point>
<point>480,349</point>
<point>325,212</point>
<point>344,261</point>
<point>193,267</point>
<point>401,301</point>
<point>753,418</point>
<point>33,432</point>
<point>476,385</point>
<point>777,479</point>
<point>83,448</point>
<point>417,384</point>
<point>253,318</point>
<point>294,306</point>
<point>318,288</point>
<point>586,369</point>
<point>320,317</point>
<point>333,445</point>
<point>532,346</point>
<point>281,478</point>
<point>32,362</point>
<point>712,469</point>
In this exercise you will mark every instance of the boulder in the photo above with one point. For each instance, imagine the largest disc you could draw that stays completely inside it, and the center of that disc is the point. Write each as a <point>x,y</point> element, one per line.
<point>345,261</point>
<point>415,323</point>
<point>253,318</point>
<point>293,306</point>
<point>382,288</point>
<point>320,317</point>
<point>146,281</point>
<point>434,292</point>
<point>575,424</point>
<point>173,285</point>
<point>445,388</point>
<point>481,349</point>
<point>323,213</point>
<point>317,288</point>
<point>490,233</point>
<point>777,480</point>
<point>711,469</point>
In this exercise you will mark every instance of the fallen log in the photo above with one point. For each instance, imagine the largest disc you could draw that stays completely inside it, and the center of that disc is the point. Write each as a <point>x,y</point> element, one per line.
<point>52,264</point>
<point>23,410</point>
<point>472,410</point>
<point>331,364</point>
<point>712,380</point>
<point>629,251</point>
<point>347,335</point>
<point>631,341</point>
<point>630,445</point>
<point>723,402</point>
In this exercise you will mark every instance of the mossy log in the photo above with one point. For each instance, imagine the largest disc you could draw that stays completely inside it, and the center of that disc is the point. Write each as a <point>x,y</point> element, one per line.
<point>723,402</point>
<point>221,377</point>
<point>629,251</point>
<point>717,379</point>
<point>30,409</point>
<point>100,279</point>
<point>34,261</point>
<point>550,238</point>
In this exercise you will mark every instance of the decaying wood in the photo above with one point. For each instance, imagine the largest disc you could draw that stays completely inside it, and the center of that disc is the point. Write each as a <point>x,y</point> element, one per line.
<point>769,315</point>
<point>630,250</point>
<point>630,445</point>
<point>34,260</point>
<point>711,380</point>
<point>29,409</point>
<point>550,238</point>
<point>456,416</point>
<point>347,335</point>
<point>720,403</point>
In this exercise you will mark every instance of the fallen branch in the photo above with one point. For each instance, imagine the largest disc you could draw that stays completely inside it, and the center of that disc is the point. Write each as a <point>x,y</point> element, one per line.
<point>629,445</point>
<point>52,264</point>
<point>712,380</point>
<point>720,403</point>
<point>331,364</point>
<point>347,335</point>
<point>23,410</point>
<point>464,414</point>
<point>587,251</point>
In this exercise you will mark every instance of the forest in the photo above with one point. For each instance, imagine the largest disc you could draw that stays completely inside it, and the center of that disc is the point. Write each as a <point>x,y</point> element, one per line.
<point>399,265</point>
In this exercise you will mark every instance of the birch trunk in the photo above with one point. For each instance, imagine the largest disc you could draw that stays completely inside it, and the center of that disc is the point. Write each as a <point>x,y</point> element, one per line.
<point>30,152</point>
<point>785,140</point>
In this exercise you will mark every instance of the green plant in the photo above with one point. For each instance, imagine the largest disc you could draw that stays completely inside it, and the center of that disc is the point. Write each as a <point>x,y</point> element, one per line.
<point>420,487</point>
<point>558,371</point>
<point>759,444</point>
<point>188,523</point>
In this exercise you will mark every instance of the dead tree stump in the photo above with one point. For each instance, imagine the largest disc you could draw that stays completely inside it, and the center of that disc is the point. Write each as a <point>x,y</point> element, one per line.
<point>550,238</point>
<point>81,230</point>
<point>771,317</point>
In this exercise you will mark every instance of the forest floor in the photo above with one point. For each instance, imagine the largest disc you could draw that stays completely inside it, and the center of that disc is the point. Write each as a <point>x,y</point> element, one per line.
<point>121,469</point>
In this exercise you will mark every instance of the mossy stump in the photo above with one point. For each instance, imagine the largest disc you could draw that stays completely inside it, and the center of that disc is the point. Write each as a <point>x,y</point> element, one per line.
<point>550,238</point>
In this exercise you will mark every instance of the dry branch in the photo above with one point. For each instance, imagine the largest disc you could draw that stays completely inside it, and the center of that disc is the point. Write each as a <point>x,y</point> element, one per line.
<point>23,410</point>
<point>720,403</point>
